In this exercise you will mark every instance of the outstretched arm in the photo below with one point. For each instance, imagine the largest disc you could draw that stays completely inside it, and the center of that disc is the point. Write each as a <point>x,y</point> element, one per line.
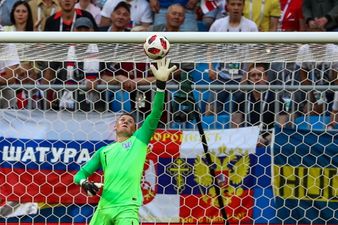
<point>150,124</point>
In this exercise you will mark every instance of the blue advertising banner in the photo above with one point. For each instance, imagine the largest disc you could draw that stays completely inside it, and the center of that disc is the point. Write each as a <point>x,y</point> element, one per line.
<point>306,176</point>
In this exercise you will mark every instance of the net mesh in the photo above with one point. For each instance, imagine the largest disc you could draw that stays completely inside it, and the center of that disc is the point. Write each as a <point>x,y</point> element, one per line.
<point>201,53</point>
<point>238,142</point>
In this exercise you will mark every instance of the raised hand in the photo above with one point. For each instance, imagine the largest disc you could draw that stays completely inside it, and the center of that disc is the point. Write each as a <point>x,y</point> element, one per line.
<point>163,71</point>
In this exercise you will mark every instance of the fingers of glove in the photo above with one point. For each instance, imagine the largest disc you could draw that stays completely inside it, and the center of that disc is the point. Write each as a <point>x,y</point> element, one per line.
<point>161,62</point>
<point>153,69</point>
<point>172,69</point>
<point>167,62</point>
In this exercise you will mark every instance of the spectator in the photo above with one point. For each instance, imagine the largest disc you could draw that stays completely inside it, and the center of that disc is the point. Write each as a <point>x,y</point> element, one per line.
<point>41,10</point>
<point>21,17</point>
<point>140,13</point>
<point>5,10</point>
<point>257,108</point>
<point>7,67</point>
<point>132,75</point>
<point>291,18</point>
<point>228,73</point>
<point>265,13</point>
<point>160,8</point>
<point>64,19</point>
<point>129,74</point>
<point>84,24</point>
<point>88,6</point>
<point>174,20</point>
<point>120,18</point>
<point>212,10</point>
<point>234,22</point>
<point>320,15</point>
<point>31,99</point>
<point>311,72</point>
<point>87,72</point>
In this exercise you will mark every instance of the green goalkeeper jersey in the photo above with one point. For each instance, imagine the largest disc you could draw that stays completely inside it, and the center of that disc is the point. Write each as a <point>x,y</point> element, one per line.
<point>122,163</point>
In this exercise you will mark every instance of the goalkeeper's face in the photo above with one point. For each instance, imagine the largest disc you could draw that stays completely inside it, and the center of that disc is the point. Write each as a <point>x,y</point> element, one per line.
<point>125,126</point>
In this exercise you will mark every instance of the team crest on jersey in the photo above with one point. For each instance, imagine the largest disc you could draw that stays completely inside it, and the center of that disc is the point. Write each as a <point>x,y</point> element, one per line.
<point>126,145</point>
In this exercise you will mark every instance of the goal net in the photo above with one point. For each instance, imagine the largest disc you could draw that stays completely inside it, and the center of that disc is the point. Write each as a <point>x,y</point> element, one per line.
<point>248,134</point>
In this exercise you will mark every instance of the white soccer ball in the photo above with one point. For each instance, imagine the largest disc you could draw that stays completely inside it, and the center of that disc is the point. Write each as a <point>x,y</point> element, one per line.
<point>156,46</point>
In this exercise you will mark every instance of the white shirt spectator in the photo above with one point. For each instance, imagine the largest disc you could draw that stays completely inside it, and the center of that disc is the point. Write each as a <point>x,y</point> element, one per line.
<point>140,11</point>
<point>222,25</point>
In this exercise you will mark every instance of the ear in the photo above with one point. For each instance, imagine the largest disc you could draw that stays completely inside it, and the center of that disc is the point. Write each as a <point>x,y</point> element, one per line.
<point>134,127</point>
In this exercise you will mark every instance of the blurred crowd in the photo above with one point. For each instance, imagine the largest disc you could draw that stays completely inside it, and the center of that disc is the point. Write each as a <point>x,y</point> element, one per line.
<point>250,108</point>
<point>173,15</point>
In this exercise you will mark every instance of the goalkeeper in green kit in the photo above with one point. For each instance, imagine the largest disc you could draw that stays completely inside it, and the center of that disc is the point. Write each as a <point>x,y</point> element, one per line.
<point>122,162</point>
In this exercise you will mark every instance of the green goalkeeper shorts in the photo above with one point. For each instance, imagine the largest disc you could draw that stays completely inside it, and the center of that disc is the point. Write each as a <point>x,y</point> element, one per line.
<point>116,216</point>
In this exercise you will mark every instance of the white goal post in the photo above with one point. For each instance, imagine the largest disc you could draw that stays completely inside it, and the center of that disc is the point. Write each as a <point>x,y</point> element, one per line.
<point>174,37</point>
<point>261,47</point>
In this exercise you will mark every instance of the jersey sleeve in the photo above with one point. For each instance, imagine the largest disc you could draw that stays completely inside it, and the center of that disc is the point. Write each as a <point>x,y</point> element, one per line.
<point>149,126</point>
<point>89,168</point>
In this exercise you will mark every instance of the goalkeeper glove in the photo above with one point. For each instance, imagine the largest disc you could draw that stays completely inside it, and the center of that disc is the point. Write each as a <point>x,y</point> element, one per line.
<point>162,72</point>
<point>91,188</point>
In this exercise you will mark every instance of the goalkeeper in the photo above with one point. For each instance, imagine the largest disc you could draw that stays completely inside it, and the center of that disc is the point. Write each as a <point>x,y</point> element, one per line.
<point>122,162</point>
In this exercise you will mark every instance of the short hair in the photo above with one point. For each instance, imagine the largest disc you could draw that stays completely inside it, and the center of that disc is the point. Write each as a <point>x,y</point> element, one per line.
<point>259,64</point>
<point>124,5</point>
<point>127,114</point>
<point>176,5</point>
